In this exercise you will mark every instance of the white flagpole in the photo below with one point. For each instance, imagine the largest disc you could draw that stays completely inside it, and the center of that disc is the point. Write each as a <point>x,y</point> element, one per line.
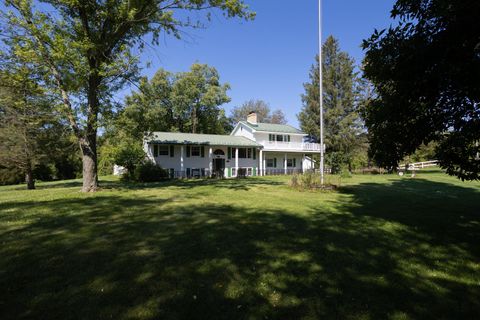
<point>320,71</point>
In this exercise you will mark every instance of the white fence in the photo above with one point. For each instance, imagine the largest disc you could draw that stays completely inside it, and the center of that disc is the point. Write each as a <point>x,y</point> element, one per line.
<point>278,145</point>
<point>419,165</point>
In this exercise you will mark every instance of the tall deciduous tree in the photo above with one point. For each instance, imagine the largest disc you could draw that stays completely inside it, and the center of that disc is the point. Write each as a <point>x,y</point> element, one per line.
<point>184,102</point>
<point>342,122</point>
<point>86,45</point>
<point>261,108</point>
<point>426,72</point>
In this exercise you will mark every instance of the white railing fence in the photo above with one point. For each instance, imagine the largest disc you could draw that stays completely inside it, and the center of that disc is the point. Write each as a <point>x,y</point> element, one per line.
<point>419,165</point>
<point>278,145</point>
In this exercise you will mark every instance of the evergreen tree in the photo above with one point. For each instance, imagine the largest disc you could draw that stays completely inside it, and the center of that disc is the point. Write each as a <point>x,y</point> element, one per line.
<point>342,123</point>
<point>24,117</point>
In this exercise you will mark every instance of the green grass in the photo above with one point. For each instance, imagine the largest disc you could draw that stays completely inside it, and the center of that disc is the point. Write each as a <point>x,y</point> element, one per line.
<point>381,247</point>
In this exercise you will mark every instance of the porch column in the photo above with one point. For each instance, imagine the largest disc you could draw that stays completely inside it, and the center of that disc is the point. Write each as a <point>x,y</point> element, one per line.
<point>264,166</point>
<point>236,162</point>
<point>210,165</point>
<point>312,165</point>
<point>260,164</point>
<point>303,163</point>
<point>181,161</point>
<point>285,163</point>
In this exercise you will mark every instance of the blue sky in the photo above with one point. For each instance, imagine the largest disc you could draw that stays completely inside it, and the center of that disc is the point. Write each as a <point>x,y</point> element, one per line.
<point>270,58</point>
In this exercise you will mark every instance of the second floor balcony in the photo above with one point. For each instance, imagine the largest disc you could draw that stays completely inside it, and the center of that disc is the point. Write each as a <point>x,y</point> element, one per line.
<point>290,146</point>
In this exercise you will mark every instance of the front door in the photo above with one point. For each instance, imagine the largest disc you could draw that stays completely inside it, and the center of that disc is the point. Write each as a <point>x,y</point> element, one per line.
<point>218,167</point>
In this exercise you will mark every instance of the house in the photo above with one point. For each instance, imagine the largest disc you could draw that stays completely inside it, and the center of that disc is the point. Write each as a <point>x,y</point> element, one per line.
<point>251,149</point>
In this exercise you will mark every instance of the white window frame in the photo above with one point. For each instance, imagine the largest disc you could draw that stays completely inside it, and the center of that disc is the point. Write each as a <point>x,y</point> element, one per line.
<point>290,163</point>
<point>165,151</point>
<point>270,165</point>
<point>192,153</point>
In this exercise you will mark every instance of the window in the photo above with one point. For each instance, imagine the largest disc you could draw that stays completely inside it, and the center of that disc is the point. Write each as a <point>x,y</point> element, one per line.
<point>270,163</point>
<point>271,137</point>
<point>160,150</point>
<point>195,151</point>
<point>291,163</point>
<point>163,150</point>
<point>242,153</point>
<point>280,137</point>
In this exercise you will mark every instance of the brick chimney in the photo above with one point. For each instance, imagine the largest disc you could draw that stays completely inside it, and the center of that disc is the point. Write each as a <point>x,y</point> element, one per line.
<point>252,117</point>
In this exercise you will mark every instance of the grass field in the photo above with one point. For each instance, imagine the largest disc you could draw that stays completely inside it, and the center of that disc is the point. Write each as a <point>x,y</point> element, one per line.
<point>381,247</point>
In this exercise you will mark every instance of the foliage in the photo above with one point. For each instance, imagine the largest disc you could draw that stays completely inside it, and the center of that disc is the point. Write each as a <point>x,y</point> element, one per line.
<point>149,172</point>
<point>342,101</point>
<point>261,108</point>
<point>185,102</point>
<point>425,71</point>
<point>129,154</point>
<point>88,50</point>
<point>11,175</point>
<point>25,116</point>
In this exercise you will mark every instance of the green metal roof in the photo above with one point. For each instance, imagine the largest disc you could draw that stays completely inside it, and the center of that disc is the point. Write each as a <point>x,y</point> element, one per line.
<point>271,127</point>
<point>200,139</point>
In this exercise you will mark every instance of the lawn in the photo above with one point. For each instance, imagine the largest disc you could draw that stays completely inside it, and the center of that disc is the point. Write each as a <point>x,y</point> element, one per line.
<point>380,247</point>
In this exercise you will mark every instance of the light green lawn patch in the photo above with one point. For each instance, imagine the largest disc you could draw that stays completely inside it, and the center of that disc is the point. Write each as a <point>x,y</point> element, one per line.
<point>381,247</point>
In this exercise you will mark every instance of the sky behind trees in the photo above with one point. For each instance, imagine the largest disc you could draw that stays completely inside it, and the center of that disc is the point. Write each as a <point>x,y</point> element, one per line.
<point>270,57</point>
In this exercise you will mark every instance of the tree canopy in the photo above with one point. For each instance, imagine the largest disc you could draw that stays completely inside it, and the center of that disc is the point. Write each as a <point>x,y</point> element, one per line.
<point>261,108</point>
<point>87,48</point>
<point>184,102</point>
<point>426,74</point>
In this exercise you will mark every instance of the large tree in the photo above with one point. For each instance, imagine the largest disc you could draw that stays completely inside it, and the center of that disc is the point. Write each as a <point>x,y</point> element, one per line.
<point>182,102</point>
<point>261,108</point>
<point>87,47</point>
<point>24,120</point>
<point>426,72</point>
<point>342,122</point>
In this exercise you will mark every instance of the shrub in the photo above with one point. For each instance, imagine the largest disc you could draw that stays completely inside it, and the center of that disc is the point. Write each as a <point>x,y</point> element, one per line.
<point>294,181</point>
<point>149,172</point>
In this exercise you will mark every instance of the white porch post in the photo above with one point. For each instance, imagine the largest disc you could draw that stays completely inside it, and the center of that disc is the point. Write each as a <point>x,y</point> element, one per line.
<point>285,164</point>
<point>210,164</point>
<point>236,162</point>
<point>303,163</point>
<point>181,161</point>
<point>261,163</point>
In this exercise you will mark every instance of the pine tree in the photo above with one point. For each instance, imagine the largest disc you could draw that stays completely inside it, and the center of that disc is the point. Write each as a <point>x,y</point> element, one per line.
<point>342,123</point>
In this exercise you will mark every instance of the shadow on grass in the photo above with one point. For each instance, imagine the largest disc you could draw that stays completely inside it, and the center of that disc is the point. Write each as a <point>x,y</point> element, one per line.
<point>407,250</point>
<point>234,184</point>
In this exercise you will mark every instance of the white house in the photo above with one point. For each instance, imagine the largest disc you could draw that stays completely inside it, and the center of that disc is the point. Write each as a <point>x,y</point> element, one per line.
<point>251,149</point>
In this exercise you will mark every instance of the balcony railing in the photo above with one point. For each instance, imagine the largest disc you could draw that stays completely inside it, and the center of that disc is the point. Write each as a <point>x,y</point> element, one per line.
<point>298,146</point>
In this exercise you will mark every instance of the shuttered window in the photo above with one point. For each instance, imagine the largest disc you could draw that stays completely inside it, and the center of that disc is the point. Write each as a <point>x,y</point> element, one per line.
<point>172,152</point>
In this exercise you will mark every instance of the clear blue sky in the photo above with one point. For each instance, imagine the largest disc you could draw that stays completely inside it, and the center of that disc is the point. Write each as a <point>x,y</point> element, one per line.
<point>270,58</point>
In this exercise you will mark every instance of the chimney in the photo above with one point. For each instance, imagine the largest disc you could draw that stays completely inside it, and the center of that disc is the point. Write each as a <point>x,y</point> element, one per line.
<point>252,117</point>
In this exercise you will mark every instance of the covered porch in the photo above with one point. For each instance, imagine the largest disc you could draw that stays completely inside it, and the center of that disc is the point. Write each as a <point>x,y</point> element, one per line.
<point>285,162</point>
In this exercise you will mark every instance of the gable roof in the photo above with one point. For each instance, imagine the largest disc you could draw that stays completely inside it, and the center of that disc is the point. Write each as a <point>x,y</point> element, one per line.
<point>272,127</point>
<point>200,139</point>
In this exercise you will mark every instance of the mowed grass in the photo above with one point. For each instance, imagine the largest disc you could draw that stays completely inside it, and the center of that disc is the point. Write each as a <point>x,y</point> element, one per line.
<point>381,247</point>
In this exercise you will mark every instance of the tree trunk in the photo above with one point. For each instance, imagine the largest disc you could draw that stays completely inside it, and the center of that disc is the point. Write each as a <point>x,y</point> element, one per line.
<point>89,163</point>
<point>29,178</point>
<point>88,145</point>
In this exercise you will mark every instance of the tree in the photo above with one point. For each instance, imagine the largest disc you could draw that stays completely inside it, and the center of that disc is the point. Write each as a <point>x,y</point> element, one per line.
<point>426,73</point>
<point>341,87</point>
<point>261,108</point>
<point>24,115</point>
<point>181,102</point>
<point>87,48</point>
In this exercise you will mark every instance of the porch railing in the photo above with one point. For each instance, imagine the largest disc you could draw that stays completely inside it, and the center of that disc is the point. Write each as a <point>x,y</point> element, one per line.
<point>300,146</point>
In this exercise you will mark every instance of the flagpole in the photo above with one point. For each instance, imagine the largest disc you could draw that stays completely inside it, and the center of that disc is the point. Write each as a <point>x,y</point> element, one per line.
<point>320,71</point>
